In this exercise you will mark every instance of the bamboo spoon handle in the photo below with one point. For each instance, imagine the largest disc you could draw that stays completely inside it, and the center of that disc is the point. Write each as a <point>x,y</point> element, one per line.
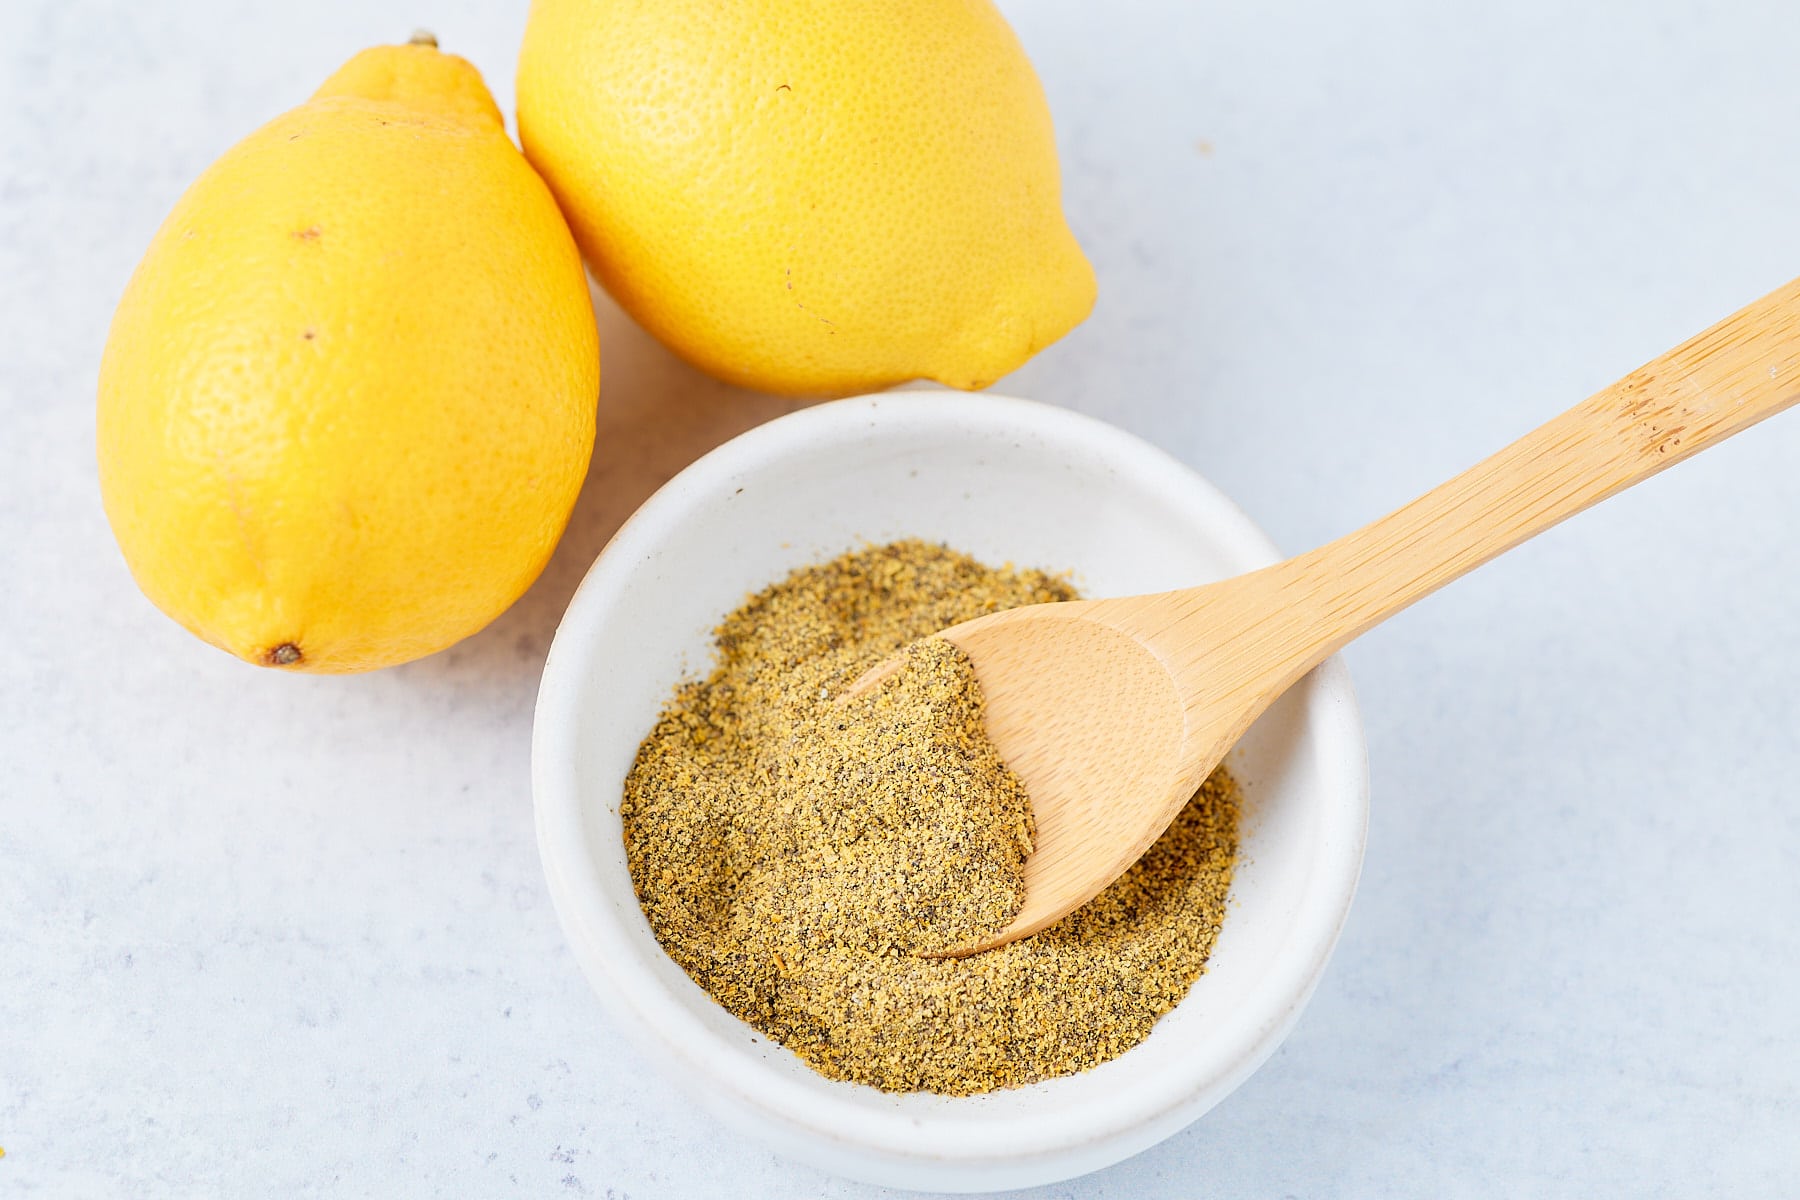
<point>1745,368</point>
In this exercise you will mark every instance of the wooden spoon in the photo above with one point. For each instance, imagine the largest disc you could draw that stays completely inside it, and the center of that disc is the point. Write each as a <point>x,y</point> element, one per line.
<point>1112,712</point>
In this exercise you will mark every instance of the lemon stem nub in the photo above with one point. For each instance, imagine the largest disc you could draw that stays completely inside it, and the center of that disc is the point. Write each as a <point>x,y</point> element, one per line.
<point>423,37</point>
<point>284,655</point>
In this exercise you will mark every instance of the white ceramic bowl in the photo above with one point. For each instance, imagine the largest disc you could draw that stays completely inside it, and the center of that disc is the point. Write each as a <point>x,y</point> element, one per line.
<point>1005,480</point>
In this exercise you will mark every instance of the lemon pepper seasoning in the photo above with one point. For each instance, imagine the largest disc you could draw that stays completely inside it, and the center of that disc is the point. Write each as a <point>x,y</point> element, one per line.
<point>799,857</point>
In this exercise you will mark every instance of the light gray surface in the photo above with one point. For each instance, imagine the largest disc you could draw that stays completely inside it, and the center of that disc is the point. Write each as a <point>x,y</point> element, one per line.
<point>263,935</point>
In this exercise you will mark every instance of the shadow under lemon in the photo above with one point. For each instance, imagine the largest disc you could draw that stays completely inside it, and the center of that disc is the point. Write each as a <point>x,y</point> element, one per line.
<point>656,415</point>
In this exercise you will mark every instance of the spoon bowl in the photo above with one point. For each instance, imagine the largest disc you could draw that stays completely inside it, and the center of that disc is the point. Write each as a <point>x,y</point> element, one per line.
<point>1093,724</point>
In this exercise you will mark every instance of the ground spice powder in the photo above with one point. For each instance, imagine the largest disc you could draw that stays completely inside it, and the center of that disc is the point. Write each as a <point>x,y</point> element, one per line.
<point>797,856</point>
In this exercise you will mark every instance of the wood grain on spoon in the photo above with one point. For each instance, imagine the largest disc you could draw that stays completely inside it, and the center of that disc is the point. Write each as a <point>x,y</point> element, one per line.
<point>1114,711</point>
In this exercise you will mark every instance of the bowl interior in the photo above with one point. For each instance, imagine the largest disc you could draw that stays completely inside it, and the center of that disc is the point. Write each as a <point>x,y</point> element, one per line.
<point>1007,481</point>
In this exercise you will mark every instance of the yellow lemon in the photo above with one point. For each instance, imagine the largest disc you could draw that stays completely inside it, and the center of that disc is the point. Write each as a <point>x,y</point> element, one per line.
<point>348,398</point>
<point>809,196</point>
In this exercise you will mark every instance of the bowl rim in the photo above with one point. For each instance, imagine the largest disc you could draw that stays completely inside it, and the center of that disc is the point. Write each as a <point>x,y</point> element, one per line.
<point>638,1000</point>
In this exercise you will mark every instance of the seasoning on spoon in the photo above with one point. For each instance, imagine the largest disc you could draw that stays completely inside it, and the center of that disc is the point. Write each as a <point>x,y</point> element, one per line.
<point>799,857</point>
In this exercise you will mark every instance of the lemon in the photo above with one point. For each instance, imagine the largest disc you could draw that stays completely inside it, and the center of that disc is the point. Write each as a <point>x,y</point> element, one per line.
<point>347,400</point>
<point>809,196</point>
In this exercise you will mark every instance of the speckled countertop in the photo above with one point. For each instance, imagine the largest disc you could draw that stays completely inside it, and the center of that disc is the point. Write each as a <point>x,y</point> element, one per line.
<point>276,936</point>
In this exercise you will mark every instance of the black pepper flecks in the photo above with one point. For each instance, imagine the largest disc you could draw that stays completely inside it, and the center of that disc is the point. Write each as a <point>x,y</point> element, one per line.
<point>796,855</point>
